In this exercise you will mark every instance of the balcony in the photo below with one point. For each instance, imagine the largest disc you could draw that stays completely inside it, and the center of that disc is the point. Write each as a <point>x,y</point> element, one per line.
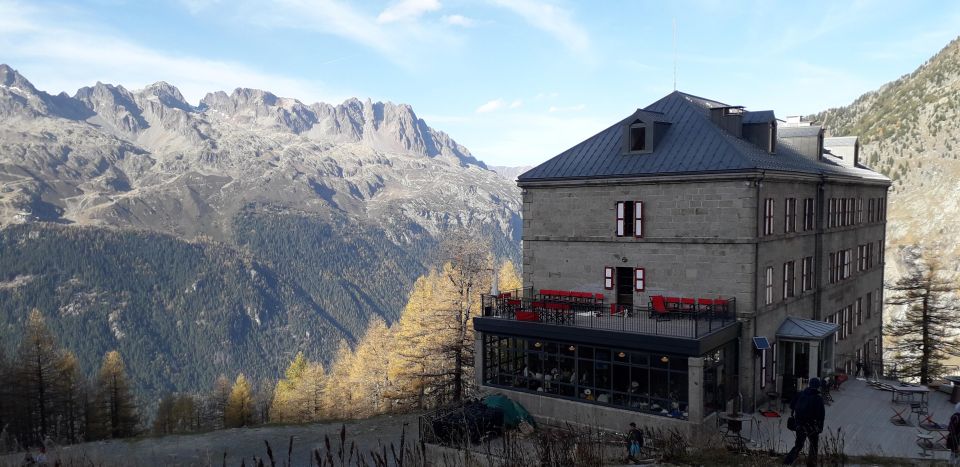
<point>664,316</point>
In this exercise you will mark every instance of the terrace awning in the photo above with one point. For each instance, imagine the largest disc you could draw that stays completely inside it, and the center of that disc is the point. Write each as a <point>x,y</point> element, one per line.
<point>806,329</point>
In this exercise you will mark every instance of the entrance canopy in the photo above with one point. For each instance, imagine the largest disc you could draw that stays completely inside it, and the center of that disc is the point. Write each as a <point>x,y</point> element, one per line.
<point>805,329</point>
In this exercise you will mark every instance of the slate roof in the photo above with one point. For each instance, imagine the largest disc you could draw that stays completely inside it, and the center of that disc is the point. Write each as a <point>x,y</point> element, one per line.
<point>759,116</point>
<point>805,329</point>
<point>787,131</point>
<point>840,141</point>
<point>692,145</point>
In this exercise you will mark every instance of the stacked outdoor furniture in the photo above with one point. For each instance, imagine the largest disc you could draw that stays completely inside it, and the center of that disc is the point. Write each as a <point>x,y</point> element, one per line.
<point>664,307</point>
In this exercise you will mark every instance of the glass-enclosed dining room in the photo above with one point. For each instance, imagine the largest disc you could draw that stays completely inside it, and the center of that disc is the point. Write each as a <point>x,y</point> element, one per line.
<point>656,383</point>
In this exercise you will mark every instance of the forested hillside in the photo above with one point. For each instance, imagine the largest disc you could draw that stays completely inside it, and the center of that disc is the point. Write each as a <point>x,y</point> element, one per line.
<point>910,131</point>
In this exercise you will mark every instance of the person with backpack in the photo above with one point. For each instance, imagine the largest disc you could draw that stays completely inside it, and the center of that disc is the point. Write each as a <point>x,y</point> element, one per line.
<point>634,443</point>
<point>808,414</point>
<point>953,436</point>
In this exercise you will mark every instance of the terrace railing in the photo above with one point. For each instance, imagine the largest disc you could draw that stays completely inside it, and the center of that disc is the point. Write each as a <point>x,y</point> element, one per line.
<point>690,323</point>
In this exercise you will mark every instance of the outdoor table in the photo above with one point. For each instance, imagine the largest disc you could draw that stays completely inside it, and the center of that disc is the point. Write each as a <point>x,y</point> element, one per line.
<point>735,430</point>
<point>903,393</point>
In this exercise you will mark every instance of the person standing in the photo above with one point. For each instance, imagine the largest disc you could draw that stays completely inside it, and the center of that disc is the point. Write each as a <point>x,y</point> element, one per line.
<point>634,443</point>
<point>953,436</point>
<point>808,412</point>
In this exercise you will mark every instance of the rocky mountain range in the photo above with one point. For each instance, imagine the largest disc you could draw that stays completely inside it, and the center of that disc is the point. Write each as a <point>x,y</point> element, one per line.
<point>910,131</point>
<point>325,215</point>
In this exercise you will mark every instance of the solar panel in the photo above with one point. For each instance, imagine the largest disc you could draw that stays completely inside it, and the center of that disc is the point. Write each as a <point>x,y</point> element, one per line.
<point>761,343</point>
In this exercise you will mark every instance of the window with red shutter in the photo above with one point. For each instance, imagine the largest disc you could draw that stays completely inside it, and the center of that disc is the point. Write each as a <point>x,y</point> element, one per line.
<point>638,219</point>
<point>640,279</point>
<point>621,207</point>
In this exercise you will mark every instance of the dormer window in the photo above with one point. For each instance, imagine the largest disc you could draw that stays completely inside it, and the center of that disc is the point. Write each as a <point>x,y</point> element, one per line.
<point>638,137</point>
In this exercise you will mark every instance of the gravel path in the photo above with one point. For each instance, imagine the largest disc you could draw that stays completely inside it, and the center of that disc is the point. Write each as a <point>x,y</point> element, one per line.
<point>207,449</point>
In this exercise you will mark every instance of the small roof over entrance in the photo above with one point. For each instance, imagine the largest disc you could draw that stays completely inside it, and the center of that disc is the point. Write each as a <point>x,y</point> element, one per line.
<point>806,329</point>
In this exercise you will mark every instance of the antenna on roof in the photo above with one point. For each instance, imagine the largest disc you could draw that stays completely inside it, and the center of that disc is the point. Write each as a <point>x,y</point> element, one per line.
<point>674,54</point>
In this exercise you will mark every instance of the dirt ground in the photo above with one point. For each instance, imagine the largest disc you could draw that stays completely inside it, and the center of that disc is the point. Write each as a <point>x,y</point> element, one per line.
<point>240,444</point>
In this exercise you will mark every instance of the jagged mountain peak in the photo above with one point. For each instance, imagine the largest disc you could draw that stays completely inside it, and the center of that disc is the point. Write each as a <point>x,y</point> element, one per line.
<point>11,78</point>
<point>167,94</point>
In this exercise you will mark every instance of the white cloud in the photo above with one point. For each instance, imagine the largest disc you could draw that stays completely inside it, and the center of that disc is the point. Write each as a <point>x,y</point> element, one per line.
<point>516,104</point>
<point>57,56</point>
<point>406,10</point>
<point>552,19</point>
<point>458,20</point>
<point>569,108</point>
<point>495,104</point>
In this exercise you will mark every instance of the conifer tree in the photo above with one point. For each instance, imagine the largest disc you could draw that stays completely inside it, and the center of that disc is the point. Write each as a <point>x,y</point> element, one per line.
<point>35,374</point>
<point>508,279</point>
<point>114,397</point>
<point>217,403</point>
<point>369,378</point>
<point>408,366</point>
<point>337,394</point>
<point>239,410</point>
<point>71,392</point>
<point>927,335</point>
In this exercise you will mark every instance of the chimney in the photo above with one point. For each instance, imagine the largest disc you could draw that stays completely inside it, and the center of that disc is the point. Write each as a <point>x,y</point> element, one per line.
<point>728,118</point>
<point>804,139</point>
<point>846,149</point>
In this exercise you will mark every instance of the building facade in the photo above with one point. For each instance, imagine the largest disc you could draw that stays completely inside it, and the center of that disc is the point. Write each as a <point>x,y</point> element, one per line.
<point>710,203</point>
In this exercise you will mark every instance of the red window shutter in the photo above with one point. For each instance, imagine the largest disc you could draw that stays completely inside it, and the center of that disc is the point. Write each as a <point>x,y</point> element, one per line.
<point>640,279</point>
<point>608,278</point>
<point>638,219</point>
<point>620,218</point>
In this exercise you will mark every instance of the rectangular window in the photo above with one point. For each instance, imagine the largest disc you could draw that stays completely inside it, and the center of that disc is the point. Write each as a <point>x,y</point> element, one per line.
<point>848,319</point>
<point>769,285</point>
<point>847,258</point>
<point>851,211</point>
<point>608,278</point>
<point>859,311</point>
<point>831,207</point>
<point>640,279</point>
<point>871,210</point>
<point>869,304</point>
<point>877,302</point>
<point>638,219</point>
<point>788,279</point>
<point>809,210</point>
<point>841,213</point>
<point>790,215</point>
<point>832,268</point>
<point>630,218</point>
<point>861,258</point>
<point>859,210</point>
<point>768,216</point>
<point>882,208</point>
<point>806,274</point>
<point>869,255</point>
<point>879,252</point>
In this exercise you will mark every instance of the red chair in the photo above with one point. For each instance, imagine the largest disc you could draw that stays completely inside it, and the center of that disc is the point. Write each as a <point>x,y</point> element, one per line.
<point>527,316</point>
<point>688,305</point>
<point>705,305</point>
<point>658,306</point>
<point>721,306</point>
<point>673,303</point>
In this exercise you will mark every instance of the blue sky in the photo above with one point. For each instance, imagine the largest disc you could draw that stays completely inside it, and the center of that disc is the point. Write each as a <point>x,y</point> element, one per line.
<point>516,81</point>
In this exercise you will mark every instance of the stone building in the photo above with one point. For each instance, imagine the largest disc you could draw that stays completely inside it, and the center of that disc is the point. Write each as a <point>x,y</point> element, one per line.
<point>691,258</point>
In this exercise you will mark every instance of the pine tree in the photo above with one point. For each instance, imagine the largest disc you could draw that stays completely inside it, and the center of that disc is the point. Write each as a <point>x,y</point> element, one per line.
<point>337,394</point>
<point>71,392</point>
<point>35,373</point>
<point>508,279</point>
<point>114,397</point>
<point>408,366</point>
<point>217,403</point>
<point>927,334</point>
<point>239,410</point>
<point>369,379</point>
